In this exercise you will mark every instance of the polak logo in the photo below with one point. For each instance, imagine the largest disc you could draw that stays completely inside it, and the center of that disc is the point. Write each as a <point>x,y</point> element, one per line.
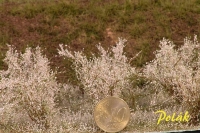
<point>173,118</point>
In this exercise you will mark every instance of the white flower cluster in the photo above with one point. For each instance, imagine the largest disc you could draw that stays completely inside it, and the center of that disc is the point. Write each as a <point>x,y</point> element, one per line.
<point>28,84</point>
<point>104,75</point>
<point>177,69</point>
<point>81,121</point>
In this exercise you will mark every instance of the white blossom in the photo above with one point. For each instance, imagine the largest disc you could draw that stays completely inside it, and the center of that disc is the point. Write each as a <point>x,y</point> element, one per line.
<point>179,68</point>
<point>28,84</point>
<point>104,75</point>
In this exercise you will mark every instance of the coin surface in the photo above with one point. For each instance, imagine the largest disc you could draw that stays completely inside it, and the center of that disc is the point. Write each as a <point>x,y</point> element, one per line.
<point>112,114</point>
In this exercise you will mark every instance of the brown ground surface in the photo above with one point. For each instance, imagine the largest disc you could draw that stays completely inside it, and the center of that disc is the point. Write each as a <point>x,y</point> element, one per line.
<point>21,32</point>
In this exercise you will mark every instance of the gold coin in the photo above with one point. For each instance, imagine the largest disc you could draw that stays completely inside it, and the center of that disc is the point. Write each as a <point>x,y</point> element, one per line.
<point>112,114</point>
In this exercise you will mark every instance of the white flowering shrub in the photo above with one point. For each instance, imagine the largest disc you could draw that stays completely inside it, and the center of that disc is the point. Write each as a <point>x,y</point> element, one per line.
<point>81,121</point>
<point>29,90</point>
<point>104,75</point>
<point>178,70</point>
<point>28,85</point>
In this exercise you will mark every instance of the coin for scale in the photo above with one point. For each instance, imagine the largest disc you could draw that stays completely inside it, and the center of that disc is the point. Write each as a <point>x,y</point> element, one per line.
<point>112,114</point>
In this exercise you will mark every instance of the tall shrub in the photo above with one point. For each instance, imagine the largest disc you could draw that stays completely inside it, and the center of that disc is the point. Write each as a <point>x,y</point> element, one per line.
<point>102,76</point>
<point>178,71</point>
<point>29,84</point>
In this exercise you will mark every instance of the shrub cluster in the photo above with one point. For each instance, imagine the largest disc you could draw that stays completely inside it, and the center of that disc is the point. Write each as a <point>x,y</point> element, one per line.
<point>29,86</point>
